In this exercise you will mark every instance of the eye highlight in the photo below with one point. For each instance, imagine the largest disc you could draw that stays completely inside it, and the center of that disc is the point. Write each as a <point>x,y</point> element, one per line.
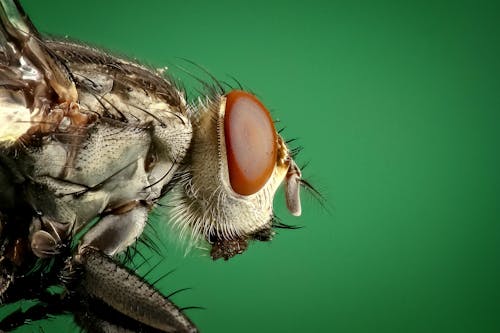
<point>251,145</point>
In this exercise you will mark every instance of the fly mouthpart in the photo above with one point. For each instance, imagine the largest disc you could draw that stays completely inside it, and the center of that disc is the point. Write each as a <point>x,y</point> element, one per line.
<point>292,189</point>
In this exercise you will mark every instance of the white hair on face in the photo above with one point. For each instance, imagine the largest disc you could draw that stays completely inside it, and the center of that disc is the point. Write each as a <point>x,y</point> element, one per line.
<point>203,201</point>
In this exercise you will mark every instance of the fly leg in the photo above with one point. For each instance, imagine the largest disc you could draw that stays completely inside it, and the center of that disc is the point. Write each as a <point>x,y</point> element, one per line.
<point>110,285</point>
<point>126,299</point>
<point>119,229</point>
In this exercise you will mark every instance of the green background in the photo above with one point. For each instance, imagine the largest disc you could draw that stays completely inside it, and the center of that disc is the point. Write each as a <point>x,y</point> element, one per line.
<point>397,106</point>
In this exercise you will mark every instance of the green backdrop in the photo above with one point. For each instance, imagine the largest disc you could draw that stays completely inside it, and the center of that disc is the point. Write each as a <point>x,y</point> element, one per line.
<point>397,106</point>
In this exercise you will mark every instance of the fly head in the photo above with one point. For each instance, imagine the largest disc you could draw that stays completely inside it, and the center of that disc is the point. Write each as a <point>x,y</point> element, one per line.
<point>236,163</point>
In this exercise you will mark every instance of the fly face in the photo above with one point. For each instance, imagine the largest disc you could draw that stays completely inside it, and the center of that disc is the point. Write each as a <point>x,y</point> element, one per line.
<point>236,163</point>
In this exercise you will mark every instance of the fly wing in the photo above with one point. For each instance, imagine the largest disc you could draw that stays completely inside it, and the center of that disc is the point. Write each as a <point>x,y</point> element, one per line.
<point>32,80</point>
<point>27,45</point>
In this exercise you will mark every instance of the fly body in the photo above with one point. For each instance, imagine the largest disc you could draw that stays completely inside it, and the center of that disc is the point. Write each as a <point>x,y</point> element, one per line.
<point>89,143</point>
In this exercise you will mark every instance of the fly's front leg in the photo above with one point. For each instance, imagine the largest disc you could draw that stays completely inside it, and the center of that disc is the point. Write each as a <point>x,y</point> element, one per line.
<point>106,281</point>
<point>121,289</point>
<point>119,229</point>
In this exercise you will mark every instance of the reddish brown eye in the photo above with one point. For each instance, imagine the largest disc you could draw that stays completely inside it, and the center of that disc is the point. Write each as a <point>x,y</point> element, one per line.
<point>250,142</point>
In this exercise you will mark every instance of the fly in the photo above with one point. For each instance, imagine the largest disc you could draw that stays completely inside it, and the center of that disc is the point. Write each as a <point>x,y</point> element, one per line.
<point>87,136</point>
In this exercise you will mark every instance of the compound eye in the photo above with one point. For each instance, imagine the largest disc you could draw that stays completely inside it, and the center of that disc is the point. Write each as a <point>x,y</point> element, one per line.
<point>250,142</point>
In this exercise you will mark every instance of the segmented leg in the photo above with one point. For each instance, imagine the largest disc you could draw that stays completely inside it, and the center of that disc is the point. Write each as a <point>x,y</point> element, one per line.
<point>115,232</point>
<point>102,295</point>
<point>125,292</point>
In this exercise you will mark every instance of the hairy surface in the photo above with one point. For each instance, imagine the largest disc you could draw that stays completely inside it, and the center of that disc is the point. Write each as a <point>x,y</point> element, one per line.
<point>89,143</point>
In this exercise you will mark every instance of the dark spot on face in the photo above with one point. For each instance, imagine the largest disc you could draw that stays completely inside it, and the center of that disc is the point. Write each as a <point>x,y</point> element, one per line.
<point>224,248</point>
<point>228,248</point>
